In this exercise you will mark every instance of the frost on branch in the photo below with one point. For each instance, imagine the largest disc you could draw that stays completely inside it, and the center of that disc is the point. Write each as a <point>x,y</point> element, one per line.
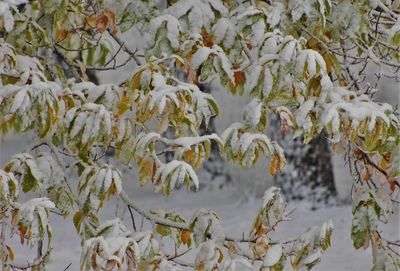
<point>246,147</point>
<point>31,177</point>
<point>31,218</point>
<point>174,174</point>
<point>271,212</point>
<point>112,246</point>
<point>196,15</point>
<point>206,225</point>
<point>88,124</point>
<point>9,189</point>
<point>7,8</point>
<point>97,183</point>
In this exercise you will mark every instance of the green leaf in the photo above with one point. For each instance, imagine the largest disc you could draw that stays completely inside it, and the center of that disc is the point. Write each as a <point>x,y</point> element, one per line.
<point>29,181</point>
<point>360,227</point>
<point>77,220</point>
<point>163,230</point>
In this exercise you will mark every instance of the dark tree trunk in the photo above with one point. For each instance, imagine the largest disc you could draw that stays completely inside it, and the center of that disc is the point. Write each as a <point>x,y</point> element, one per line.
<point>214,169</point>
<point>308,175</point>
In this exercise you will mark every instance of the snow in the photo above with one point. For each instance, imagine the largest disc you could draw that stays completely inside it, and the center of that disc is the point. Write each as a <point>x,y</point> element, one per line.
<point>224,31</point>
<point>289,46</point>
<point>5,12</point>
<point>273,255</point>
<point>173,29</point>
<point>268,82</point>
<point>253,112</point>
<point>199,57</point>
<point>237,214</point>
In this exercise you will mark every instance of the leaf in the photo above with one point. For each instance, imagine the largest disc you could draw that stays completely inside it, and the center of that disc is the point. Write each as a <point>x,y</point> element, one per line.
<point>240,78</point>
<point>163,230</point>
<point>10,253</point>
<point>185,236</point>
<point>102,23</point>
<point>208,40</point>
<point>77,220</point>
<point>146,171</point>
<point>61,35</point>
<point>275,165</point>
<point>91,21</point>
<point>29,181</point>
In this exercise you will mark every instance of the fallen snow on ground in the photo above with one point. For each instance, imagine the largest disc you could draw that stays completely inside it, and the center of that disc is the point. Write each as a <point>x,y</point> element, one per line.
<point>237,216</point>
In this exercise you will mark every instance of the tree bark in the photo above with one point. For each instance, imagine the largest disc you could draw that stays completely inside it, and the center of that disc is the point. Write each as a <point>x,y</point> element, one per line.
<point>214,170</point>
<point>308,175</point>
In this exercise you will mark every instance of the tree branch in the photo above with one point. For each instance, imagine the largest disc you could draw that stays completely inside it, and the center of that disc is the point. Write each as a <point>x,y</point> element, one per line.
<point>131,53</point>
<point>29,265</point>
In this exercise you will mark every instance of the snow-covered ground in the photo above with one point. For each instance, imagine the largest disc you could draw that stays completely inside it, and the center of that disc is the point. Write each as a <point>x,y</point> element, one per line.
<point>234,206</point>
<point>237,216</point>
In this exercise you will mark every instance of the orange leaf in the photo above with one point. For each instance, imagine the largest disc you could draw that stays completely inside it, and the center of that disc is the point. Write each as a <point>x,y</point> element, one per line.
<point>239,77</point>
<point>22,232</point>
<point>101,23</point>
<point>275,165</point>
<point>208,39</point>
<point>185,236</point>
<point>385,162</point>
<point>110,14</point>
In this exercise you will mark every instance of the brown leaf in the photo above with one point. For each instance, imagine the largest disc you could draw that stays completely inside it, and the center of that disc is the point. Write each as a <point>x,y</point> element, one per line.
<point>366,243</point>
<point>163,125</point>
<point>93,262</point>
<point>110,265</point>
<point>392,184</point>
<point>283,127</point>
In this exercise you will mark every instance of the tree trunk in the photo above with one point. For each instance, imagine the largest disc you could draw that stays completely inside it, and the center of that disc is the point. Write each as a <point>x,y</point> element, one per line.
<point>214,170</point>
<point>308,175</point>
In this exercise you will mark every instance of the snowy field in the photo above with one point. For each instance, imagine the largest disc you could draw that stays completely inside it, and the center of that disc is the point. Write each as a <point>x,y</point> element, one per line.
<point>234,206</point>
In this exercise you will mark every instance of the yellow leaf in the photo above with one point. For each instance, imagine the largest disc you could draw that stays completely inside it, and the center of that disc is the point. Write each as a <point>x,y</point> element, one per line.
<point>273,167</point>
<point>91,21</point>
<point>10,253</point>
<point>112,190</point>
<point>146,169</point>
<point>188,155</point>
